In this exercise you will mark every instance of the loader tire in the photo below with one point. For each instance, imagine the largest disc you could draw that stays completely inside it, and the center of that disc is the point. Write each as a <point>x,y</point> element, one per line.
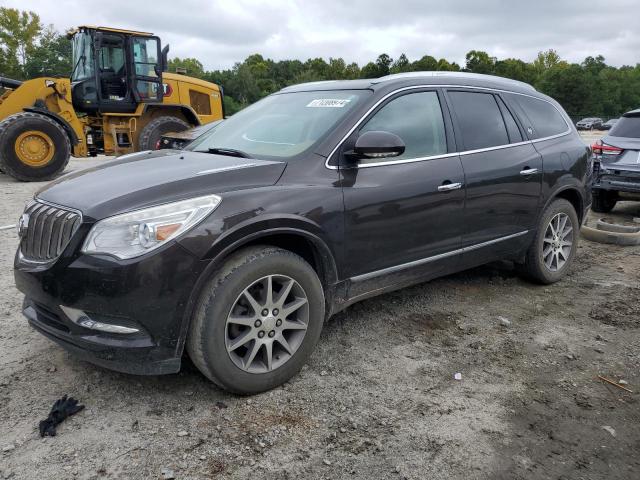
<point>150,135</point>
<point>33,147</point>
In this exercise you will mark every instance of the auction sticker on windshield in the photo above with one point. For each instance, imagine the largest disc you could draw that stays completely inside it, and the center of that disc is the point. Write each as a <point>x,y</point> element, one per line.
<point>328,102</point>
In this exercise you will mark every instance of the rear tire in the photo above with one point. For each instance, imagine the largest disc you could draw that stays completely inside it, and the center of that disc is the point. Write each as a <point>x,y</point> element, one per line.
<point>604,201</point>
<point>33,147</point>
<point>551,254</point>
<point>223,315</point>
<point>152,131</point>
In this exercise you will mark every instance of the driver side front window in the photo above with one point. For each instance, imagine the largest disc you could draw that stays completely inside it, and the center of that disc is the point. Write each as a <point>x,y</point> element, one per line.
<point>417,119</point>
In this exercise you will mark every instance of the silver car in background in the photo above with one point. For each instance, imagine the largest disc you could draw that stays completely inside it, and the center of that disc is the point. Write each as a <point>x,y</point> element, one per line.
<point>616,167</point>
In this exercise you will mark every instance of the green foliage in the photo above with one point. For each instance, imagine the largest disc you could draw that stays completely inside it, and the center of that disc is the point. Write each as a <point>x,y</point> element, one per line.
<point>19,32</point>
<point>480,62</point>
<point>28,49</point>
<point>592,88</point>
<point>52,56</point>
<point>192,66</point>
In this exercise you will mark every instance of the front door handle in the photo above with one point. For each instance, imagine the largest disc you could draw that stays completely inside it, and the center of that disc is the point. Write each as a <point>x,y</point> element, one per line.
<point>528,171</point>
<point>447,187</point>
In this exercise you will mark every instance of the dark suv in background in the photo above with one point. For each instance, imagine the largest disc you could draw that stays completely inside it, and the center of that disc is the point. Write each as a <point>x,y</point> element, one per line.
<point>240,246</point>
<point>616,168</point>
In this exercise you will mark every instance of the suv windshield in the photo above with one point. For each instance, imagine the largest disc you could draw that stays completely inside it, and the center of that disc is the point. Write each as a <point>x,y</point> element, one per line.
<point>626,127</point>
<point>282,125</point>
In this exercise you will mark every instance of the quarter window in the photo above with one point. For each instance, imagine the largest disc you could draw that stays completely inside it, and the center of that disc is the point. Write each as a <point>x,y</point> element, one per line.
<point>542,119</point>
<point>417,119</point>
<point>479,119</point>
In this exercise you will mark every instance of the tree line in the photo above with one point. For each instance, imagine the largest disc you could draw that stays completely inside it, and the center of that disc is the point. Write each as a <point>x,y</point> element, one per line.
<point>29,49</point>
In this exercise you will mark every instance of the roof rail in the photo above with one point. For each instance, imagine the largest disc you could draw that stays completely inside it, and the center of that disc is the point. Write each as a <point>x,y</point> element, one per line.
<point>477,76</point>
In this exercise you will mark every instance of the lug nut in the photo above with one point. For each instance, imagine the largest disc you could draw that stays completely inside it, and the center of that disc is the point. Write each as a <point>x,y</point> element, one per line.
<point>258,323</point>
<point>275,312</point>
<point>261,334</point>
<point>272,334</point>
<point>265,312</point>
<point>278,322</point>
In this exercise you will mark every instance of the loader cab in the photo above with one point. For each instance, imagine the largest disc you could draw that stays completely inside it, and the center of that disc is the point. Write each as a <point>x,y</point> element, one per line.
<point>115,70</point>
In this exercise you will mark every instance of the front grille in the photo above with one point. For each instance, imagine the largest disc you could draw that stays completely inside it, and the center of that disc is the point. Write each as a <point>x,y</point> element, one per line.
<point>46,231</point>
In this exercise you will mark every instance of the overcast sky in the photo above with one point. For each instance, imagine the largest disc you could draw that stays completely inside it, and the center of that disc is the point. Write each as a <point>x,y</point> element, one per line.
<point>220,33</point>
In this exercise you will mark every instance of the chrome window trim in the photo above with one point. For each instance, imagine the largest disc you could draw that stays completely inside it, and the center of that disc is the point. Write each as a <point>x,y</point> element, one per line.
<point>422,261</point>
<point>452,154</point>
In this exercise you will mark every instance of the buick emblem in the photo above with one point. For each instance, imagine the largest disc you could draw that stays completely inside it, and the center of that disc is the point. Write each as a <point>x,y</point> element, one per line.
<point>23,225</point>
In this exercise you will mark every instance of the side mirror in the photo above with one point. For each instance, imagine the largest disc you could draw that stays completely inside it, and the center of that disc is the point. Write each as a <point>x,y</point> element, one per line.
<point>379,144</point>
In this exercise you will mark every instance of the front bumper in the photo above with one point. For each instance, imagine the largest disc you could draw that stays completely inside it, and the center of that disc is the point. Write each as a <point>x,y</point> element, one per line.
<point>149,294</point>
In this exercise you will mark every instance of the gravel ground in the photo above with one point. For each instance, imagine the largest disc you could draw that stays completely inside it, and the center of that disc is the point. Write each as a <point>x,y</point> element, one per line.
<point>378,398</point>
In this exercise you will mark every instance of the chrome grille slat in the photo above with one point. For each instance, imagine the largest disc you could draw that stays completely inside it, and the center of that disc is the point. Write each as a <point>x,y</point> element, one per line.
<point>56,228</point>
<point>47,227</point>
<point>49,231</point>
<point>33,216</point>
<point>37,231</point>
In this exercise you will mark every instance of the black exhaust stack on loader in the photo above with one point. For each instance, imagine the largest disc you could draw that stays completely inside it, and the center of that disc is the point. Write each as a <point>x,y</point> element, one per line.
<point>9,83</point>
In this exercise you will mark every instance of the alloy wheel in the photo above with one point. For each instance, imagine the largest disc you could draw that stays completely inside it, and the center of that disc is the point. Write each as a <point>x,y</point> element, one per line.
<point>267,324</point>
<point>558,242</point>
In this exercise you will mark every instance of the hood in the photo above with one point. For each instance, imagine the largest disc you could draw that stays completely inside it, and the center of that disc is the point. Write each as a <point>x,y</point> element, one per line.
<point>150,178</point>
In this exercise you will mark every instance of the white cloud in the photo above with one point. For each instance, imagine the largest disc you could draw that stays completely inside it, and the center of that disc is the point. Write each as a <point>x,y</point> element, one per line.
<point>222,32</point>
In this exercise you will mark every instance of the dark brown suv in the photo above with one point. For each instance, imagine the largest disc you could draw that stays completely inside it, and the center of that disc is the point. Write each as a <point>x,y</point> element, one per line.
<point>240,246</point>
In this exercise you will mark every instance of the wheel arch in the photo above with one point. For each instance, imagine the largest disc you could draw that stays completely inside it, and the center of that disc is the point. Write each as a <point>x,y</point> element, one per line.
<point>185,111</point>
<point>300,241</point>
<point>71,133</point>
<point>573,196</point>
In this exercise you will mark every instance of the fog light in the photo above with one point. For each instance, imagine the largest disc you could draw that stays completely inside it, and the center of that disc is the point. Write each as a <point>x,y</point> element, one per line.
<point>80,318</point>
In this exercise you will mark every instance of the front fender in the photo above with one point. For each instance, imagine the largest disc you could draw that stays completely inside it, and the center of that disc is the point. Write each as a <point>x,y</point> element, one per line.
<point>249,232</point>
<point>225,241</point>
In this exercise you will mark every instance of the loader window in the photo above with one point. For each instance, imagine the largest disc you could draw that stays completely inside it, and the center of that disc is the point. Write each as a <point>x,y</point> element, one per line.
<point>113,75</point>
<point>82,57</point>
<point>145,56</point>
<point>146,65</point>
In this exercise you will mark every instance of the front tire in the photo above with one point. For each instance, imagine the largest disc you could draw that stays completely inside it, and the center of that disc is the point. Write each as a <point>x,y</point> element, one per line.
<point>257,320</point>
<point>33,147</point>
<point>152,132</point>
<point>551,254</point>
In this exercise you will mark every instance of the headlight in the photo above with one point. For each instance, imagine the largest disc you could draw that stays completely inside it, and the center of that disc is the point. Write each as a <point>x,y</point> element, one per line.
<point>135,233</point>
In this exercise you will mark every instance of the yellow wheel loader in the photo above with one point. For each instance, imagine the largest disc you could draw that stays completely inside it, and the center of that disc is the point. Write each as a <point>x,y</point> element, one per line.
<point>119,99</point>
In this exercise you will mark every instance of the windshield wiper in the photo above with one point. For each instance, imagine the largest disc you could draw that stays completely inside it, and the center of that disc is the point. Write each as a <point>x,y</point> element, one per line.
<point>230,152</point>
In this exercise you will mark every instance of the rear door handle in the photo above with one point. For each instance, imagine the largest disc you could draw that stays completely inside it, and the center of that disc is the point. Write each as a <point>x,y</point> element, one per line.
<point>528,171</point>
<point>449,186</point>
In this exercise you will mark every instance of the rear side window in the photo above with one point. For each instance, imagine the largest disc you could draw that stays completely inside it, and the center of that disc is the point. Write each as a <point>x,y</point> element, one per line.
<point>512,127</point>
<point>479,119</point>
<point>541,118</point>
<point>417,119</point>
<point>626,127</point>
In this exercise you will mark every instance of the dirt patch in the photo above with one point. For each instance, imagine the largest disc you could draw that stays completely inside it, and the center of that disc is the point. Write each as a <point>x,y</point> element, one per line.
<point>622,312</point>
